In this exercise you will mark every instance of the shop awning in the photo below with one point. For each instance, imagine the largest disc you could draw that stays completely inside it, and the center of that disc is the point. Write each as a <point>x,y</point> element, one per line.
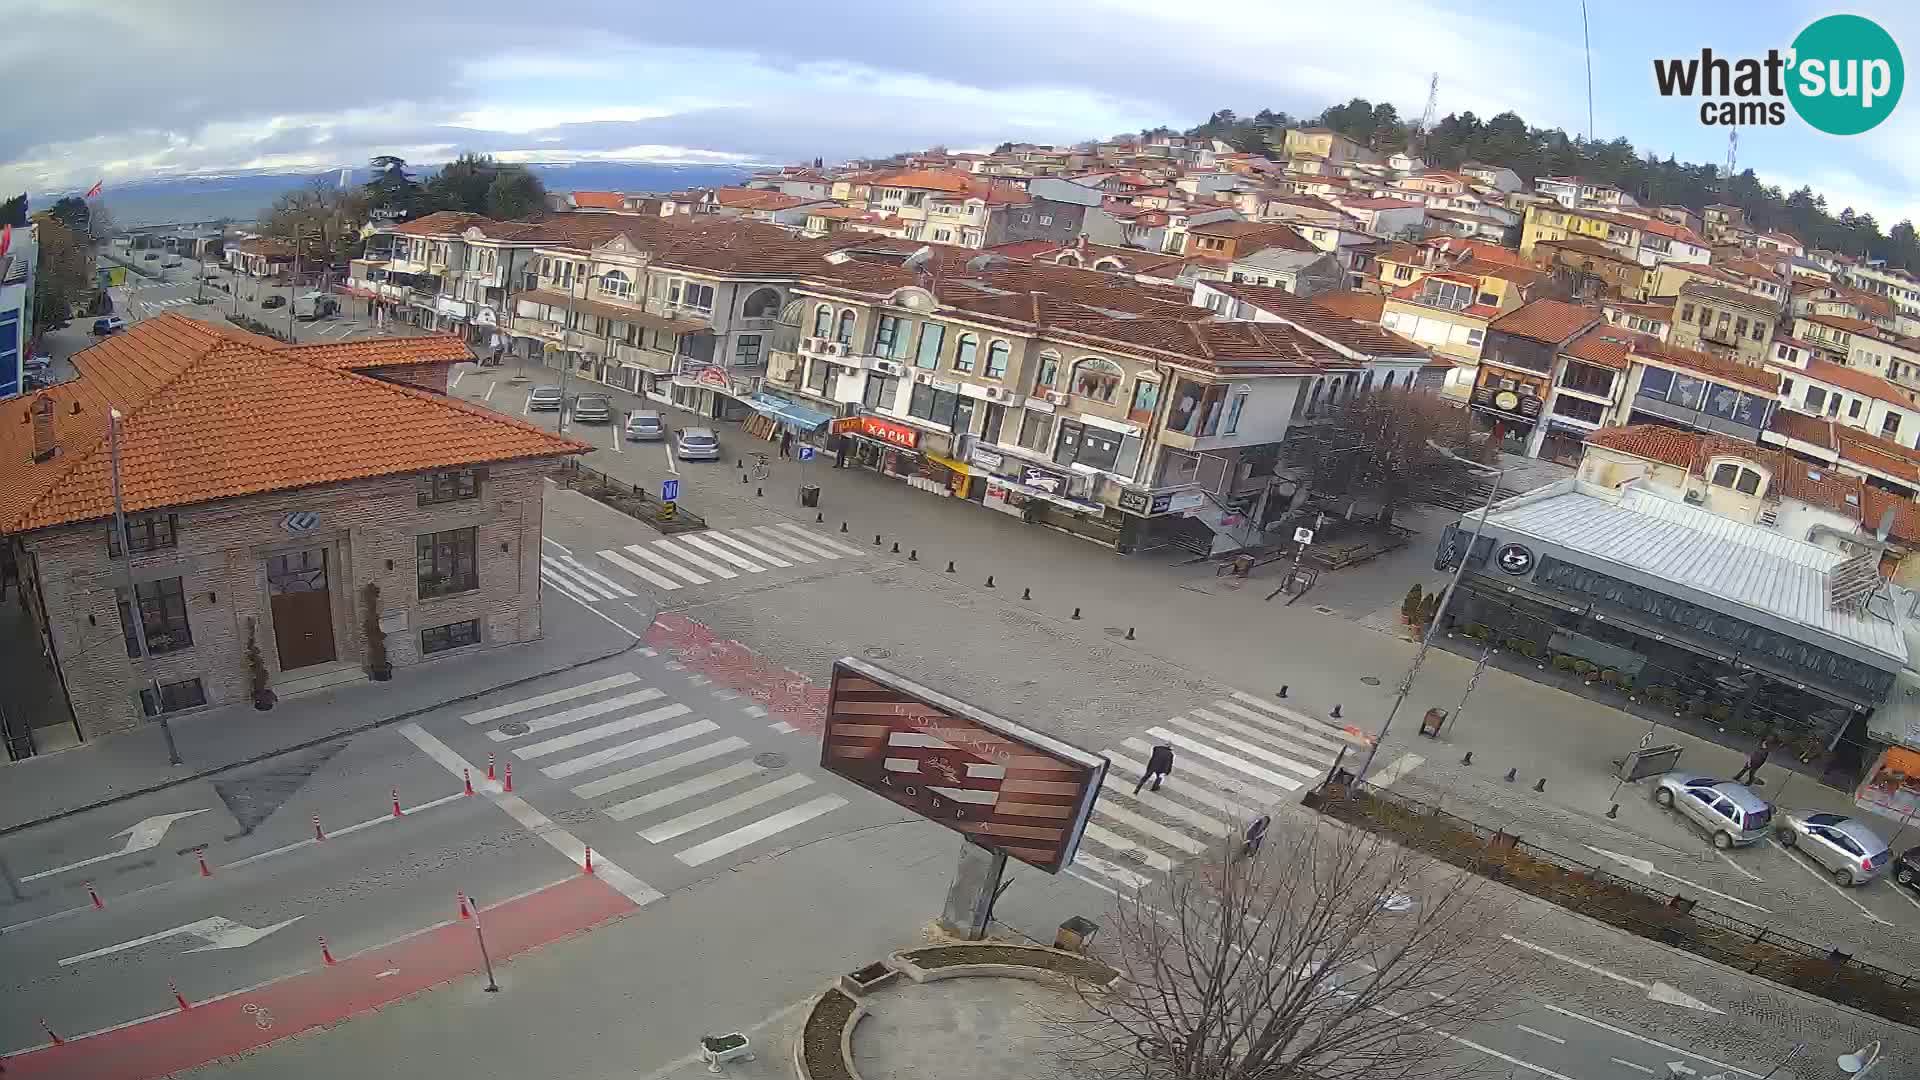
<point>788,412</point>
<point>1047,496</point>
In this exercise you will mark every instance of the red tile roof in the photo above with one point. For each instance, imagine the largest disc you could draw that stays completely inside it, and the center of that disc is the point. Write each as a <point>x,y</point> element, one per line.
<point>1859,382</point>
<point>1654,442</point>
<point>1720,370</point>
<point>1312,318</point>
<point>1604,345</point>
<point>734,198</point>
<point>926,180</point>
<point>1353,304</point>
<point>443,223</point>
<point>382,352</point>
<point>212,413</point>
<point>1548,321</point>
<point>1798,426</point>
<point>599,200</point>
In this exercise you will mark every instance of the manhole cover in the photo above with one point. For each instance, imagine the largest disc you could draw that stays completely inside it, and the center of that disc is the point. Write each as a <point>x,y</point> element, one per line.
<point>1370,680</point>
<point>1323,609</point>
<point>770,760</point>
<point>514,728</point>
<point>876,653</point>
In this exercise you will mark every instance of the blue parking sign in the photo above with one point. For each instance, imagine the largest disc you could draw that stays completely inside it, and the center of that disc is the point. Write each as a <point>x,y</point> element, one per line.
<point>806,453</point>
<point>669,490</point>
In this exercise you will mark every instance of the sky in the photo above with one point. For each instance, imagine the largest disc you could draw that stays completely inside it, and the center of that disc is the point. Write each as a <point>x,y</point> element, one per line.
<point>119,89</point>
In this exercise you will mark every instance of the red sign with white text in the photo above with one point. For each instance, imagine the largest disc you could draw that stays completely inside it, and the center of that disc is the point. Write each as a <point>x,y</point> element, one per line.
<point>889,432</point>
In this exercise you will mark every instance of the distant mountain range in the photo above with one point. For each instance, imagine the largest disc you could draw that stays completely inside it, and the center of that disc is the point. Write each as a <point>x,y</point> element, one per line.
<point>241,196</point>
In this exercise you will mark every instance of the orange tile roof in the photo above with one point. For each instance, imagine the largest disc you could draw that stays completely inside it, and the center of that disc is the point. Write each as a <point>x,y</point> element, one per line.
<point>215,414</point>
<point>1654,442</point>
<point>1906,513</point>
<point>1353,304</point>
<point>1726,371</point>
<point>1603,345</point>
<point>928,180</point>
<point>599,200</point>
<point>1860,382</point>
<point>382,352</point>
<point>1313,318</point>
<point>1549,321</point>
<point>756,199</point>
<point>1798,426</point>
<point>443,223</point>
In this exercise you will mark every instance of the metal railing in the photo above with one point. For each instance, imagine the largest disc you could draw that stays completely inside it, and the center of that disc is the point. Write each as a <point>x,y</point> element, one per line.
<point>1633,906</point>
<point>635,502</point>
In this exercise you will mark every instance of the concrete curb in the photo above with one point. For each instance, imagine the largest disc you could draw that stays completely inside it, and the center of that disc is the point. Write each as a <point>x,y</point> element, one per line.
<point>846,1034</point>
<point>174,781</point>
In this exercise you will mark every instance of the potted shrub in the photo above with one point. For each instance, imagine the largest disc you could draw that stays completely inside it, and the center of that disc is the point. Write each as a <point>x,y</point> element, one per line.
<point>1410,605</point>
<point>377,663</point>
<point>263,695</point>
<point>1429,609</point>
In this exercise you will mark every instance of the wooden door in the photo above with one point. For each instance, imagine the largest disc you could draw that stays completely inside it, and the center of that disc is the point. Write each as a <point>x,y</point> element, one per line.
<point>302,608</point>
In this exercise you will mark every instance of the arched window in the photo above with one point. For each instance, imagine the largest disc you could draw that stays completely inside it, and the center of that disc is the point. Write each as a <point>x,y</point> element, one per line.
<point>964,351</point>
<point>1047,376</point>
<point>615,283</point>
<point>1096,378</point>
<point>1388,384</point>
<point>1110,265</point>
<point>763,304</point>
<point>1313,399</point>
<point>1067,258</point>
<point>822,321</point>
<point>997,354</point>
<point>1366,384</point>
<point>844,335</point>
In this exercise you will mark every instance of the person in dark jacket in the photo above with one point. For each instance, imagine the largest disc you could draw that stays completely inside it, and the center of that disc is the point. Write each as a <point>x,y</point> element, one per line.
<point>786,445</point>
<point>1159,764</point>
<point>1751,771</point>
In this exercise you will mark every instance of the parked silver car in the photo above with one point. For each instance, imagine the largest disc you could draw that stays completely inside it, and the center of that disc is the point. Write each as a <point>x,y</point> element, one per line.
<point>696,444</point>
<point>1853,853</point>
<point>1731,813</point>
<point>593,409</point>
<point>645,425</point>
<point>545,399</point>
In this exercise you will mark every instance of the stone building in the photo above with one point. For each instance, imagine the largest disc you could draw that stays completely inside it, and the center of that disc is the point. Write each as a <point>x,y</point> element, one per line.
<point>266,488</point>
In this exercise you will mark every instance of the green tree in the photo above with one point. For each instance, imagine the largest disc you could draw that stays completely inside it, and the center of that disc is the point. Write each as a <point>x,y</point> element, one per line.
<point>514,193</point>
<point>73,212</point>
<point>14,211</point>
<point>392,192</point>
<point>461,184</point>
<point>64,274</point>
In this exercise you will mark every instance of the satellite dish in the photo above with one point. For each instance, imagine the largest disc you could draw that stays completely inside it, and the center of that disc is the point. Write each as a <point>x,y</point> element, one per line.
<point>917,262</point>
<point>986,262</point>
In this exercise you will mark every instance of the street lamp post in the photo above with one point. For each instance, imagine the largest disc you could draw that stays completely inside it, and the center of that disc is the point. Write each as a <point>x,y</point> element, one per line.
<point>1426,639</point>
<point>134,614</point>
<point>293,281</point>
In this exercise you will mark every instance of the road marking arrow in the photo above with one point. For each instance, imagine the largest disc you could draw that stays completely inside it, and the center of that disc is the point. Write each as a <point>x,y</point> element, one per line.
<point>1655,991</point>
<point>140,836</point>
<point>218,933</point>
<point>1645,868</point>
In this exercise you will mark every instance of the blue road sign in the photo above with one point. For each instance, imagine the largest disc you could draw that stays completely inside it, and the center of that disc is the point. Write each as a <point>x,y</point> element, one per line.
<point>806,453</point>
<point>670,490</point>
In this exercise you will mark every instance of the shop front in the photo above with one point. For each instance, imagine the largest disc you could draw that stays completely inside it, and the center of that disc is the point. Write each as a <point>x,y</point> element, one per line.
<point>1508,403</point>
<point>706,389</point>
<point>1042,493</point>
<point>1152,519</point>
<point>777,418</point>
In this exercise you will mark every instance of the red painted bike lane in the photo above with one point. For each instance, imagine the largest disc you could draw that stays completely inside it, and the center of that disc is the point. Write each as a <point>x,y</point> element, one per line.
<point>246,1021</point>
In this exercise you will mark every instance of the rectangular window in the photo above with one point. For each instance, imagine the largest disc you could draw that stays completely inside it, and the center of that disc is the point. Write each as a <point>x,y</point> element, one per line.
<point>1233,412</point>
<point>145,532</point>
<point>964,352</point>
<point>934,406</point>
<point>173,697</point>
<point>1740,328</point>
<point>1890,426</point>
<point>817,372</point>
<point>1816,398</point>
<point>1046,219</point>
<point>1048,373</point>
<point>1034,430</point>
<point>697,296</point>
<point>1853,410</point>
<point>453,485</point>
<point>1146,398</point>
<point>931,337</point>
<point>746,350</point>
<point>163,617</point>
<point>885,333</point>
<point>1759,330</point>
<point>882,391</point>
<point>438,639</point>
<point>447,563</point>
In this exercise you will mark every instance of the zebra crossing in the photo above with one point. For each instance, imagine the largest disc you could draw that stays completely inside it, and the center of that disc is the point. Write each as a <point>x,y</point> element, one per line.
<point>688,560</point>
<point>1234,759</point>
<point>685,782</point>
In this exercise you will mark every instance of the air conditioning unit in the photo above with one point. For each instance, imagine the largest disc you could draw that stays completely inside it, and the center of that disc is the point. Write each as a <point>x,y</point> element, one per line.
<point>993,393</point>
<point>836,348</point>
<point>1770,517</point>
<point>1696,498</point>
<point>922,378</point>
<point>889,367</point>
<point>810,345</point>
<point>1055,397</point>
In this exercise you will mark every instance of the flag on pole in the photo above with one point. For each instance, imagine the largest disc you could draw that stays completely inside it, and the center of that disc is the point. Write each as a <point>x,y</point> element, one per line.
<point>6,240</point>
<point>94,191</point>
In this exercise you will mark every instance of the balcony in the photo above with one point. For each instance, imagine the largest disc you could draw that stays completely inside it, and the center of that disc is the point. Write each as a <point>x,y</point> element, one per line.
<point>652,360</point>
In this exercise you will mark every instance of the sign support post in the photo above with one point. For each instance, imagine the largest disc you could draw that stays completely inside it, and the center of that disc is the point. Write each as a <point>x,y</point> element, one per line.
<point>976,883</point>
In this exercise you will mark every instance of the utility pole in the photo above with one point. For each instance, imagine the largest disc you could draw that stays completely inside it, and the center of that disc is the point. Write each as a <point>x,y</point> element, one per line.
<point>1426,639</point>
<point>566,355</point>
<point>134,614</point>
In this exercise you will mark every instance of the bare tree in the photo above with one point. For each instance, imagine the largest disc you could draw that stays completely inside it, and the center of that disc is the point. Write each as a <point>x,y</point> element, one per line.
<point>1372,448</point>
<point>326,217</point>
<point>1330,955</point>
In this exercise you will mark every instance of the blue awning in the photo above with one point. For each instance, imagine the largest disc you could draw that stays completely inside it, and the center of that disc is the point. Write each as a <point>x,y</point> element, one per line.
<point>788,412</point>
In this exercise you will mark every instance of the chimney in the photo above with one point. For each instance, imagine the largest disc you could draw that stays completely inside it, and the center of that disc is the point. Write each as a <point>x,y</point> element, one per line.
<point>43,444</point>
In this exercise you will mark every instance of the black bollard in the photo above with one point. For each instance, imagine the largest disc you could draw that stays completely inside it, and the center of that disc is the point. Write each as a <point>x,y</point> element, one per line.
<point>1468,760</point>
<point>760,493</point>
<point>876,539</point>
<point>1510,775</point>
<point>1129,633</point>
<point>739,463</point>
<point>1283,691</point>
<point>949,566</point>
<point>1076,613</point>
<point>819,519</point>
<point>1026,594</point>
<point>1613,811</point>
<point>913,555</point>
<point>843,526</point>
<point>1336,712</point>
<point>989,581</point>
<point>1541,785</point>
<point>896,547</point>
<point>744,480</point>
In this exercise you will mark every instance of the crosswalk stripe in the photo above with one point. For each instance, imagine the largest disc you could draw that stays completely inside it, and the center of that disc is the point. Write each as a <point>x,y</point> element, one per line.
<point>723,538</point>
<point>550,577</point>
<point>816,538</point>
<point>597,577</point>
<point>1282,761</point>
<point>581,712</point>
<point>719,552</point>
<point>640,774</point>
<point>625,750</point>
<point>725,808</point>
<point>1148,827</point>
<point>1291,745</point>
<point>638,571</point>
<point>1117,873</point>
<point>1297,732</point>
<point>557,569</point>
<point>578,738</point>
<point>1302,718</point>
<point>1113,841</point>
<point>759,830</point>
<point>686,789</point>
<point>672,547</point>
<point>1169,806</point>
<point>790,545</point>
<point>1238,785</point>
<point>1265,776</point>
<point>554,697</point>
<point>664,563</point>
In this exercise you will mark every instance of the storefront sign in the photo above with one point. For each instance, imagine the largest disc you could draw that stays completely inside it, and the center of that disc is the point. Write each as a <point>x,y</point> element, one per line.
<point>1135,502</point>
<point>1180,502</point>
<point>1506,401</point>
<point>888,432</point>
<point>300,521</point>
<point>986,459</point>
<point>715,377</point>
<point>1515,559</point>
<point>1041,480</point>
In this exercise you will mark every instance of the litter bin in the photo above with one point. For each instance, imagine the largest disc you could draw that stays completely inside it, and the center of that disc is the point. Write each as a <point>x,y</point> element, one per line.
<point>1076,934</point>
<point>1431,722</point>
<point>810,495</point>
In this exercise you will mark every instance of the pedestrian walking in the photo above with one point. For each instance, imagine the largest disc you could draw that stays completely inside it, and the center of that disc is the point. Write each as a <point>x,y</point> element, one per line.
<point>1159,764</point>
<point>786,445</point>
<point>1751,771</point>
<point>1256,834</point>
